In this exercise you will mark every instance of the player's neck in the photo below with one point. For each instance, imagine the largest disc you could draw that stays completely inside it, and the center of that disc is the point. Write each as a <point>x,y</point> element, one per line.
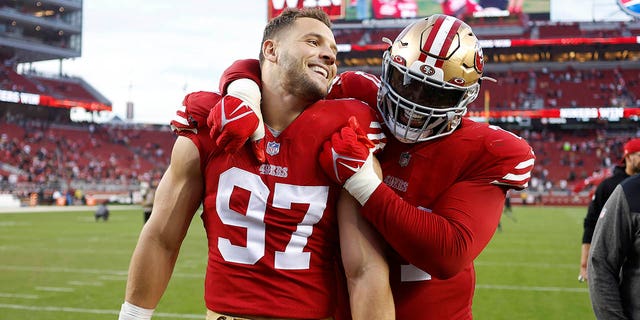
<point>280,108</point>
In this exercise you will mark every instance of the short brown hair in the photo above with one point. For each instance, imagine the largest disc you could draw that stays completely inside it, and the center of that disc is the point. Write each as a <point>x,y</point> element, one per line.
<point>286,19</point>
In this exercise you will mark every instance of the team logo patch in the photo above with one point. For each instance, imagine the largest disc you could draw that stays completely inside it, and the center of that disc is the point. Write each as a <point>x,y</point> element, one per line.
<point>427,69</point>
<point>479,58</point>
<point>404,159</point>
<point>631,7</point>
<point>273,148</point>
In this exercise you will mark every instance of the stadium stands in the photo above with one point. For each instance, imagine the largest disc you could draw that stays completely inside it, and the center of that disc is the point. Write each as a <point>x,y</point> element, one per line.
<point>47,157</point>
<point>43,153</point>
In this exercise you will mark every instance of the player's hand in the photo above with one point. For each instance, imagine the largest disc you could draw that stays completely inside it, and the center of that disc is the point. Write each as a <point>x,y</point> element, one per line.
<point>345,153</point>
<point>232,121</point>
<point>347,158</point>
<point>237,117</point>
<point>582,277</point>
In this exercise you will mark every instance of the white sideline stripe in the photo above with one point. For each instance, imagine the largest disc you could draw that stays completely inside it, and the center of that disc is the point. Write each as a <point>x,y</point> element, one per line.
<point>113,278</point>
<point>85,283</point>
<point>74,251</point>
<point>89,271</point>
<point>523,264</point>
<point>96,311</point>
<point>55,289</point>
<point>18,295</point>
<point>526,288</point>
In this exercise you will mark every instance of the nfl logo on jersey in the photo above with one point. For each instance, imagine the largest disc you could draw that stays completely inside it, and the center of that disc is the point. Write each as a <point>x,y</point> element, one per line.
<point>404,159</point>
<point>273,148</point>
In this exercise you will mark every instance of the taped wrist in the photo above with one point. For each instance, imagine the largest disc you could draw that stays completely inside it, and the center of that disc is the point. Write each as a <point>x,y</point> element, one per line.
<point>129,311</point>
<point>364,182</point>
<point>249,92</point>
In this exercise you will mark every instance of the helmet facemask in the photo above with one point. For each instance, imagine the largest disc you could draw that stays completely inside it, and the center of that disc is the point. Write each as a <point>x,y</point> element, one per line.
<point>416,107</point>
<point>429,75</point>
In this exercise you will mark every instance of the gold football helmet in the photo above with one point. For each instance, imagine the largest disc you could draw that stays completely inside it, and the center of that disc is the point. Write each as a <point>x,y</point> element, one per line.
<point>430,73</point>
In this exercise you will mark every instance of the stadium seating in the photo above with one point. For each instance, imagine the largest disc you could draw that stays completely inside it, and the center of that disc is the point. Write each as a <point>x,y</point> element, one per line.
<point>47,157</point>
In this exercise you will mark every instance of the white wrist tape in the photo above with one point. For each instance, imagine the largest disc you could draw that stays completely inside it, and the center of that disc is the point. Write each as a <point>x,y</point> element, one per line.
<point>249,92</point>
<point>129,311</point>
<point>364,182</point>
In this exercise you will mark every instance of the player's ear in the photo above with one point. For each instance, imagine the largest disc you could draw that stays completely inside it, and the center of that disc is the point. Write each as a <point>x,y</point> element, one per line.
<point>269,51</point>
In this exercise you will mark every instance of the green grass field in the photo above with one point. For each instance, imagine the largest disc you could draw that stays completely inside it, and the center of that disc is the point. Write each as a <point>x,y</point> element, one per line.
<point>64,265</point>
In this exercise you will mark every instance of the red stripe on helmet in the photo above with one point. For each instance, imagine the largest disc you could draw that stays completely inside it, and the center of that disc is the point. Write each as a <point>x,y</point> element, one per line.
<point>432,35</point>
<point>448,41</point>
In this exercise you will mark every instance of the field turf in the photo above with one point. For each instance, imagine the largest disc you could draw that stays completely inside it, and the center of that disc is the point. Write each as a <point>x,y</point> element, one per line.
<point>65,265</point>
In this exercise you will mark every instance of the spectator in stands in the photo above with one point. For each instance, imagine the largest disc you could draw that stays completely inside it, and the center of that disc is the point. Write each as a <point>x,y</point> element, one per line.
<point>102,212</point>
<point>630,166</point>
<point>614,272</point>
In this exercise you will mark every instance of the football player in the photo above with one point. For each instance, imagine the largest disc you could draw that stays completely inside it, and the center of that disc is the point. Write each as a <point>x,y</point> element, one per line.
<point>445,176</point>
<point>272,228</point>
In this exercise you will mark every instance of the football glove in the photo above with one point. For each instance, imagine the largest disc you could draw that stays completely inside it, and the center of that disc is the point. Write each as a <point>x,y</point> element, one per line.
<point>347,159</point>
<point>237,117</point>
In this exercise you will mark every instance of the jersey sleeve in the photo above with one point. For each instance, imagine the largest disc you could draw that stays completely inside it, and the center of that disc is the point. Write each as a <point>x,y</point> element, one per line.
<point>192,115</point>
<point>446,239</point>
<point>247,68</point>
<point>356,85</point>
<point>190,121</point>
<point>368,120</point>
<point>511,160</point>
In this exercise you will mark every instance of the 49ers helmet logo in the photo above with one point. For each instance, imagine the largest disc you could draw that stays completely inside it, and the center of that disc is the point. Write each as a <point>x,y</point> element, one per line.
<point>428,70</point>
<point>479,59</point>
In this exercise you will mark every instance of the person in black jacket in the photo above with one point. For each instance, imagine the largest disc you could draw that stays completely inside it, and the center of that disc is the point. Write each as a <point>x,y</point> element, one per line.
<point>614,280</point>
<point>631,166</point>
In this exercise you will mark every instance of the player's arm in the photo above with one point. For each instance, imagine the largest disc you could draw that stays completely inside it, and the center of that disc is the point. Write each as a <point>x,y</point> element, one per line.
<point>356,85</point>
<point>364,262</point>
<point>607,256</point>
<point>447,239</point>
<point>177,198</point>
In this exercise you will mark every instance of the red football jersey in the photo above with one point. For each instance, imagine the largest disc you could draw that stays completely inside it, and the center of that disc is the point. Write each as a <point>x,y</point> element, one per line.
<point>272,227</point>
<point>452,192</point>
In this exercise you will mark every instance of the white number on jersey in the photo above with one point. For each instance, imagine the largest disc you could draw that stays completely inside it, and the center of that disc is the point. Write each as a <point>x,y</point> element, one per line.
<point>293,258</point>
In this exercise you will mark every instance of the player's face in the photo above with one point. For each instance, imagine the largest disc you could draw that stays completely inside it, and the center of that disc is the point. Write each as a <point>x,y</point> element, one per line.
<point>308,59</point>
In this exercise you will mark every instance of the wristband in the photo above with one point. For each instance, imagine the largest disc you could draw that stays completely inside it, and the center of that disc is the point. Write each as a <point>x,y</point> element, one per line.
<point>129,311</point>
<point>364,182</point>
<point>249,92</point>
